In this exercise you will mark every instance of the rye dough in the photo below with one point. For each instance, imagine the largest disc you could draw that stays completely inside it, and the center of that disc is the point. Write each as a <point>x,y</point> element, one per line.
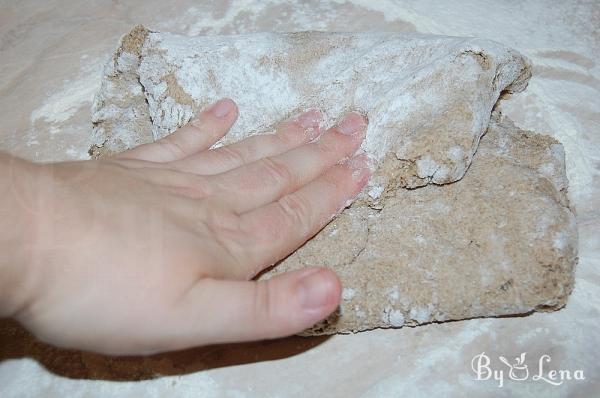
<point>454,224</point>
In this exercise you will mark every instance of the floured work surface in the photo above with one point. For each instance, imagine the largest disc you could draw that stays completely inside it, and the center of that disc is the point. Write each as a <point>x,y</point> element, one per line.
<point>497,238</point>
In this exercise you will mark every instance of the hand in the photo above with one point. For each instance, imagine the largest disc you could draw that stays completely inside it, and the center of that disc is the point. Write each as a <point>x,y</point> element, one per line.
<point>154,249</point>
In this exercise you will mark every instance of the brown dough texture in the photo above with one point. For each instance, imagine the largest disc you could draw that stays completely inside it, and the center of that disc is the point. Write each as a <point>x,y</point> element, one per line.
<point>454,224</point>
<point>501,241</point>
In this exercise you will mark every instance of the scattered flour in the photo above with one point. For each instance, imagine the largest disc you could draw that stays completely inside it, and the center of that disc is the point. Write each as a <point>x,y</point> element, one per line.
<point>420,314</point>
<point>396,318</point>
<point>74,94</point>
<point>375,192</point>
<point>348,293</point>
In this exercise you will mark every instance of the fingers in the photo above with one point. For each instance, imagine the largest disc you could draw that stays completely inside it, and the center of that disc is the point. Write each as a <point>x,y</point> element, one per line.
<point>275,230</point>
<point>289,134</point>
<point>219,311</point>
<point>269,178</point>
<point>202,132</point>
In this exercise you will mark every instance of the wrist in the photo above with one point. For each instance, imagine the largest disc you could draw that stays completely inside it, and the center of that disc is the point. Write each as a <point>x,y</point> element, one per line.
<point>18,205</point>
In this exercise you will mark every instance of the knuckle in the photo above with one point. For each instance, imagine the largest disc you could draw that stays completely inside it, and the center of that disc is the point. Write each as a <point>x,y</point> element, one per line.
<point>279,140</point>
<point>295,210</point>
<point>205,124</point>
<point>198,124</point>
<point>172,146</point>
<point>277,171</point>
<point>251,147</point>
<point>290,129</point>
<point>210,131</point>
<point>333,145</point>
<point>263,306</point>
<point>224,227</point>
<point>286,125</point>
<point>232,156</point>
<point>334,181</point>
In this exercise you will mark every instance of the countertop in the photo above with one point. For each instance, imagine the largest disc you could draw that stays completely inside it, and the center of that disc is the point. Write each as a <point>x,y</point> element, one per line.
<point>51,58</point>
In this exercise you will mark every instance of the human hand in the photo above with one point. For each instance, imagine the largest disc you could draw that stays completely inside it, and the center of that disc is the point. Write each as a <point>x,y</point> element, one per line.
<point>155,248</point>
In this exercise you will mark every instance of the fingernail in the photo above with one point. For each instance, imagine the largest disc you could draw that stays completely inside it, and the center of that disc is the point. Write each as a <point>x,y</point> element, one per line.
<point>221,108</point>
<point>310,118</point>
<point>362,166</point>
<point>314,290</point>
<point>352,124</point>
<point>361,161</point>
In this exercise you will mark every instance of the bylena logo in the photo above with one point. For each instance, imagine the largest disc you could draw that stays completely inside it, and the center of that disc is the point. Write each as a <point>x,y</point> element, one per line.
<point>519,371</point>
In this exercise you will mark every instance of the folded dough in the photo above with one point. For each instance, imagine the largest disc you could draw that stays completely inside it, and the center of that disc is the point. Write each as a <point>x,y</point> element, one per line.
<point>500,241</point>
<point>428,98</point>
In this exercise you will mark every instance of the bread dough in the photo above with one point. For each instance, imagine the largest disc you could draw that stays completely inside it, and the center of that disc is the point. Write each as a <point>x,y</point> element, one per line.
<point>428,98</point>
<point>499,239</point>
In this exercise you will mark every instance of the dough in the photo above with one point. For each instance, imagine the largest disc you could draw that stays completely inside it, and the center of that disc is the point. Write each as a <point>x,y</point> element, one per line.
<point>427,240</point>
<point>428,98</point>
<point>500,241</point>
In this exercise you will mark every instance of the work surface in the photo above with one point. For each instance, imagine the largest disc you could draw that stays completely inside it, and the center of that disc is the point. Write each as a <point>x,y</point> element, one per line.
<point>52,54</point>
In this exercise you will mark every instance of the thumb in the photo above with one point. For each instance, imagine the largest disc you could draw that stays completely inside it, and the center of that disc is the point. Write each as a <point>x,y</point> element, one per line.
<point>219,311</point>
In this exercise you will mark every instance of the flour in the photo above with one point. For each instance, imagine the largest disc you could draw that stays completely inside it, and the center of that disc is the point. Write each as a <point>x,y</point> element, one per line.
<point>375,191</point>
<point>17,376</point>
<point>74,94</point>
<point>348,293</point>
